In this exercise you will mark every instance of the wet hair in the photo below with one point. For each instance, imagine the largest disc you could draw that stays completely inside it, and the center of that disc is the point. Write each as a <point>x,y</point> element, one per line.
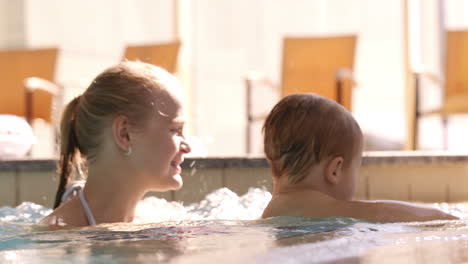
<point>304,129</point>
<point>128,89</point>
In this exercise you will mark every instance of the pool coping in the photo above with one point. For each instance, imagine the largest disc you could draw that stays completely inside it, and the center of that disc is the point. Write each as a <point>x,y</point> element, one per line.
<point>369,158</point>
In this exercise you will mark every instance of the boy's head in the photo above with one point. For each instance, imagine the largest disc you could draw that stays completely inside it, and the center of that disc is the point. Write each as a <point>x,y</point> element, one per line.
<point>304,130</point>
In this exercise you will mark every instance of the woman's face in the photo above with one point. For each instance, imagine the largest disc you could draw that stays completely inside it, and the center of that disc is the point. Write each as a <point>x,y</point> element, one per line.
<point>158,149</point>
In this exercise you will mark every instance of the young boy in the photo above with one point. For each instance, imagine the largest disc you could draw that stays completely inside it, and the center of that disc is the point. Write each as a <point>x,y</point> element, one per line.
<point>314,147</point>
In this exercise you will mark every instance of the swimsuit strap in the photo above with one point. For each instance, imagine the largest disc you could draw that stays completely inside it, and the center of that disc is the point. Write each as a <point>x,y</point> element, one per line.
<point>72,190</point>
<point>77,188</point>
<point>87,211</point>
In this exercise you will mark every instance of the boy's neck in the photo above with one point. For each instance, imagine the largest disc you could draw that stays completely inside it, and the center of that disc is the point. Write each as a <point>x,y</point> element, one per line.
<point>311,184</point>
<point>298,202</point>
<point>292,188</point>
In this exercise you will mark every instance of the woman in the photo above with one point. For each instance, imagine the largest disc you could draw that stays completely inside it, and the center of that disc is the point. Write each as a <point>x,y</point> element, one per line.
<point>127,129</point>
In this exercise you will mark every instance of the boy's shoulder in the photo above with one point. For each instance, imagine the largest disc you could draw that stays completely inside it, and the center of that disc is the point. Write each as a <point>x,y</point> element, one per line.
<point>321,205</point>
<point>308,204</point>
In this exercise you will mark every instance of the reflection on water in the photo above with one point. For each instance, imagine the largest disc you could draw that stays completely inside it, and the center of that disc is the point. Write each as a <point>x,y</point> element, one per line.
<point>225,228</point>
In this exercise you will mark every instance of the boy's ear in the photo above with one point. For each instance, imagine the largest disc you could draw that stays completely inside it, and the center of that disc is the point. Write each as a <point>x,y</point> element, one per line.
<point>121,132</point>
<point>334,170</point>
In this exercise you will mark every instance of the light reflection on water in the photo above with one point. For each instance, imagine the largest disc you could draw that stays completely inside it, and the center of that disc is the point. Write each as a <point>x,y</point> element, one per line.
<point>224,228</point>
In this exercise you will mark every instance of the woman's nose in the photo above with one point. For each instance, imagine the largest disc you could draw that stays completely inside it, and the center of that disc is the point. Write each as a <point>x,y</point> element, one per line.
<point>185,147</point>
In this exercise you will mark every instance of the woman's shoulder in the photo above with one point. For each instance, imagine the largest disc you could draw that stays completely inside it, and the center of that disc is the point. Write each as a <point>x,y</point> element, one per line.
<point>69,214</point>
<point>72,190</point>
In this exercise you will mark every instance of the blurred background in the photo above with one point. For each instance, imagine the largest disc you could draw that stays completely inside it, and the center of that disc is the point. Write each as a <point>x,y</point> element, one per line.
<point>232,60</point>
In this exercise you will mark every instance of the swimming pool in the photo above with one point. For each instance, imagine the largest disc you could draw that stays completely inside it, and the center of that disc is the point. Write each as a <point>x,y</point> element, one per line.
<point>223,228</point>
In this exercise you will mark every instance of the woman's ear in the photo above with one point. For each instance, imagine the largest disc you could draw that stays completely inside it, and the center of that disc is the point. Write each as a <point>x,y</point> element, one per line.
<point>121,132</point>
<point>334,170</point>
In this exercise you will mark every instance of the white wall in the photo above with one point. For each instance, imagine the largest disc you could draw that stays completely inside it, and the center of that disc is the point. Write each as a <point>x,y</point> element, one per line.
<point>226,35</point>
<point>233,38</point>
<point>454,17</point>
<point>92,35</point>
<point>223,40</point>
<point>12,30</point>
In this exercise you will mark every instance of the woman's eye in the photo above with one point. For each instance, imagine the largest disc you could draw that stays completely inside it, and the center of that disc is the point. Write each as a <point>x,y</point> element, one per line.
<point>177,131</point>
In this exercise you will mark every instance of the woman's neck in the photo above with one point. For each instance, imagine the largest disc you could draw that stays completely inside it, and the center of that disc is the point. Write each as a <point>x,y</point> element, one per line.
<point>112,194</point>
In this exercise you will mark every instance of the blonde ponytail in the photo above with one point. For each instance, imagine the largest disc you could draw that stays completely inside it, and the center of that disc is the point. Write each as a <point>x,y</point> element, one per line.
<point>68,148</point>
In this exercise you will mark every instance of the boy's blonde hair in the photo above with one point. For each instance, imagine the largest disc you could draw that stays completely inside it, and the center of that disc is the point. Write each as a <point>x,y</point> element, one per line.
<point>304,129</point>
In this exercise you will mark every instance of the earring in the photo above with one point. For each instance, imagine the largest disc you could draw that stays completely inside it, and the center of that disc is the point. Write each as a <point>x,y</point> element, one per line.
<point>129,151</point>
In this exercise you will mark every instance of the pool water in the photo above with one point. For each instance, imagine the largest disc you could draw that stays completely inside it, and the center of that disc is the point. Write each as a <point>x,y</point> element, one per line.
<point>225,228</point>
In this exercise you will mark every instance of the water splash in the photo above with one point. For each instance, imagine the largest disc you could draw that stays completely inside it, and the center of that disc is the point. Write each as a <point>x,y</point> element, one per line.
<point>26,212</point>
<point>459,209</point>
<point>20,219</point>
<point>222,204</point>
<point>193,233</point>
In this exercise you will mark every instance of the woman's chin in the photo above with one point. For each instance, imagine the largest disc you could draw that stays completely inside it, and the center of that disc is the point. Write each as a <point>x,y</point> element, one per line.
<point>171,183</point>
<point>177,182</point>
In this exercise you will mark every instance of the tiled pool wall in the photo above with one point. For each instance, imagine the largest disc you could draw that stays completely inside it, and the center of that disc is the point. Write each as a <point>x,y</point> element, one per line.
<point>408,176</point>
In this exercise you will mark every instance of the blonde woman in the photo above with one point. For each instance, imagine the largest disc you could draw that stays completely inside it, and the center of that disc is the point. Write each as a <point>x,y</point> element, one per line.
<point>128,129</point>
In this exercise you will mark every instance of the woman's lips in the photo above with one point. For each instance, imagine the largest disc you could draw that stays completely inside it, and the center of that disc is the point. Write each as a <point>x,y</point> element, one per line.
<point>176,166</point>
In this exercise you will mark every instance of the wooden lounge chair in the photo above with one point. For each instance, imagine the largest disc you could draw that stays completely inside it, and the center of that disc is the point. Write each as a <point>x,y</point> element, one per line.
<point>455,100</point>
<point>319,65</point>
<point>26,86</point>
<point>162,55</point>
